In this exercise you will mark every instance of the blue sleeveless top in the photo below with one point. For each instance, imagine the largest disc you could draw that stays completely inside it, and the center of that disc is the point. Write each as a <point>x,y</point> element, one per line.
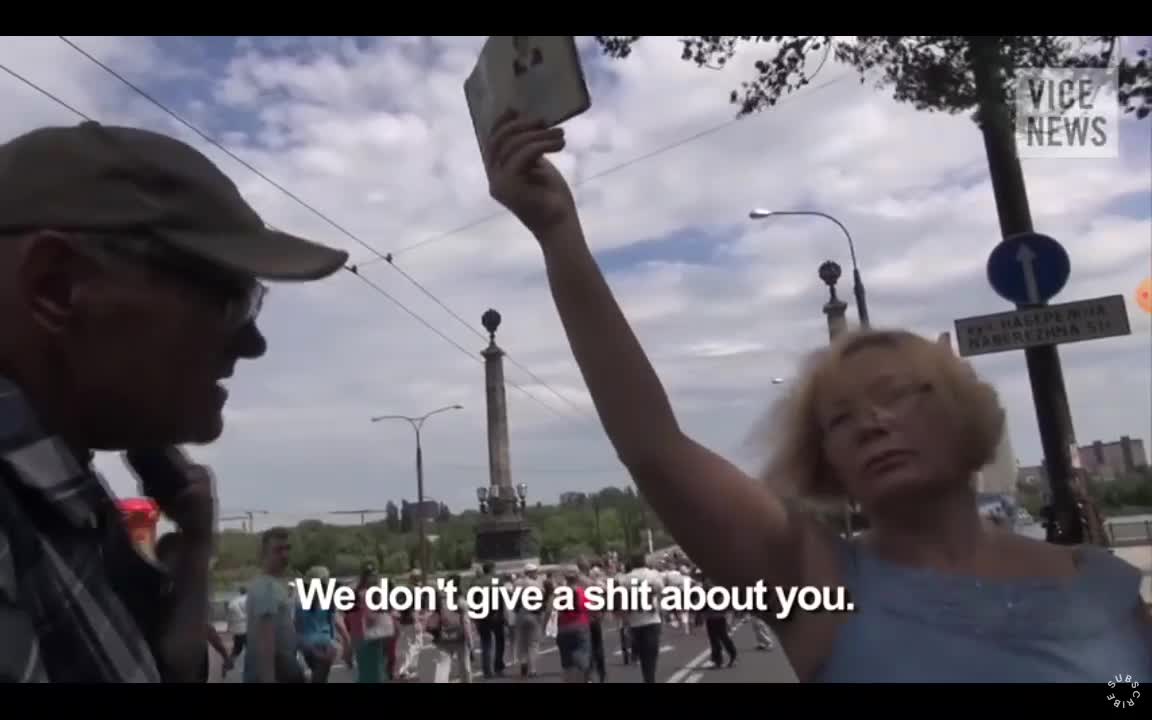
<point>917,625</point>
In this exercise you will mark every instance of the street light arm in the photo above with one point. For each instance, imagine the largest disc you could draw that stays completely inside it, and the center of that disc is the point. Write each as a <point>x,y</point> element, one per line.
<point>857,283</point>
<point>761,214</point>
<point>421,418</point>
<point>378,418</point>
<point>417,423</point>
<point>847,235</point>
<point>429,414</point>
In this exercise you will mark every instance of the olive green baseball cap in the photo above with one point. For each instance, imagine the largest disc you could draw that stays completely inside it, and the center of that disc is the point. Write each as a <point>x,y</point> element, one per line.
<point>103,179</point>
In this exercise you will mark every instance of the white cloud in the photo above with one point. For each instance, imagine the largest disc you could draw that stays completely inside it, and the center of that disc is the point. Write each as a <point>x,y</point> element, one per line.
<point>376,135</point>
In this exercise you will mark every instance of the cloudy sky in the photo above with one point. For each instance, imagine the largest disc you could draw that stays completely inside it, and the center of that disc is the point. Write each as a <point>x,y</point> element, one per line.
<point>375,133</point>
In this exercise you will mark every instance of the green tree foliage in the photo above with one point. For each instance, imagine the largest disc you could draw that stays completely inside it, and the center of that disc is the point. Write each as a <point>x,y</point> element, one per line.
<point>932,72</point>
<point>582,524</point>
<point>1127,494</point>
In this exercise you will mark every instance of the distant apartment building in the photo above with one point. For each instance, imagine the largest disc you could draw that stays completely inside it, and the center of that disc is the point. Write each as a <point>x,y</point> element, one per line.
<point>1101,461</point>
<point>1110,460</point>
<point>1032,476</point>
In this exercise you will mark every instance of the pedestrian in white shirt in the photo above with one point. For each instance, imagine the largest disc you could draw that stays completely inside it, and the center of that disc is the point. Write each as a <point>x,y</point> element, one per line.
<point>530,624</point>
<point>644,623</point>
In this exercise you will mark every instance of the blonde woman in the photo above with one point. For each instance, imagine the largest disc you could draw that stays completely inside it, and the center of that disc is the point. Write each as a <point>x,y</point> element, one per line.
<point>894,422</point>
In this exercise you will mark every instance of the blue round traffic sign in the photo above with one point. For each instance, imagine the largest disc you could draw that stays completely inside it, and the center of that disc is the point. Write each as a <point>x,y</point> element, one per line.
<point>1028,269</point>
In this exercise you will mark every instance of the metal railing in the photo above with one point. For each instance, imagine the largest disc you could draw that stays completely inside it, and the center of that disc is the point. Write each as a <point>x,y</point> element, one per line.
<point>1129,532</point>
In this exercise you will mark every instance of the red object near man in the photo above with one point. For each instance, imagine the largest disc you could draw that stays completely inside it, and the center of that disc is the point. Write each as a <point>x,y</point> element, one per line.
<point>141,516</point>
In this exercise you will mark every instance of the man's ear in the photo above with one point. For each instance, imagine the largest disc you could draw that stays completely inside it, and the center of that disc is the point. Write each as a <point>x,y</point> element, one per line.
<point>52,277</point>
<point>46,275</point>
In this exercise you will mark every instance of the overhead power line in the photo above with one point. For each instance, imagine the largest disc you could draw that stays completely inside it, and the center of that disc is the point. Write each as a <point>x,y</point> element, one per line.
<point>455,344</point>
<point>42,91</point>
<point>390,257</point>
<point>326,218</point>
<point>482,336</point>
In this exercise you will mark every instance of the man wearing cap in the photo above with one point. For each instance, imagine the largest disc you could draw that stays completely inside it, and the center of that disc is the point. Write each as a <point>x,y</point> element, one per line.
<point>131,276</point>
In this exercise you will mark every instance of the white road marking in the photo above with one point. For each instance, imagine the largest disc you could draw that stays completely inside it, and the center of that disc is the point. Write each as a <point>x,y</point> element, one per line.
<point>663,649</point>
<point>694,678</point>
<point>696,662</point>
<point>691,665</point>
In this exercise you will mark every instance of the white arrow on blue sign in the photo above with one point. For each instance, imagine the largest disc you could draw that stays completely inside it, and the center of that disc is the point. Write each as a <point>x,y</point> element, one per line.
<point>1028,269</point>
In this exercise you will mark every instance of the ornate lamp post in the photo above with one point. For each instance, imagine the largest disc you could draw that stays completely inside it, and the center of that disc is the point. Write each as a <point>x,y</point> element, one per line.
<point>857,282</point>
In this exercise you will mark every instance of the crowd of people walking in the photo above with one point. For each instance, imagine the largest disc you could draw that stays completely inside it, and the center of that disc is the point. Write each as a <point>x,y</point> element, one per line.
<point>388,646</point>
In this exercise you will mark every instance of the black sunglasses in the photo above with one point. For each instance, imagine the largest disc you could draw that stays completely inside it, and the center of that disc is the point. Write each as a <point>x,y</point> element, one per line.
<point>240,298</point>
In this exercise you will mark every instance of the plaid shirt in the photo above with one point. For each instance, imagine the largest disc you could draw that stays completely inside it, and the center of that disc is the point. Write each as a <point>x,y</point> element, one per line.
<point>77,602</point>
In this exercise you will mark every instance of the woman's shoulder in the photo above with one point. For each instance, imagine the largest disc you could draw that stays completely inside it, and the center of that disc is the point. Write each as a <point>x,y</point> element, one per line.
<point>1092,566</point>
<point>1074,610</point>
<point>1038,585</point>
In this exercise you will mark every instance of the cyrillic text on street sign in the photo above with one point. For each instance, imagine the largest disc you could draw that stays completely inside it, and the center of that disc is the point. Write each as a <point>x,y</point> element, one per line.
<point>1049,325</point>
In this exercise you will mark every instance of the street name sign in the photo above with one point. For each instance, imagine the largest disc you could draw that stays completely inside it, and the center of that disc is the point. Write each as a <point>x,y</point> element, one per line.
<point>1070,322</point>
<point>1028,269</point>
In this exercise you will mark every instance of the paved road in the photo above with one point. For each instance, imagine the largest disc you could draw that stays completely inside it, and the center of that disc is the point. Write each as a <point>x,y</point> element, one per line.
<point>683,659</point>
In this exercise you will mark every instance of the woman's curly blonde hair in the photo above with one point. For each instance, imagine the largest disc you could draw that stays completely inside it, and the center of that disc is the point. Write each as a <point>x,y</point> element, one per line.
<point>794,439</point>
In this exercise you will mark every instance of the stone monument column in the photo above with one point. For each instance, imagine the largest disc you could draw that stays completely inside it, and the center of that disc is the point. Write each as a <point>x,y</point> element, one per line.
<point>835,308</point>
<point>503,536</point>
<point>499,468</point>
<point>834,311</point>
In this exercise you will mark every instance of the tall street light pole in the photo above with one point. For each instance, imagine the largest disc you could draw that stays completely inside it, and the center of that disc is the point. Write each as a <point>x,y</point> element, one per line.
<point>857,283</point>
<point>417,424</point>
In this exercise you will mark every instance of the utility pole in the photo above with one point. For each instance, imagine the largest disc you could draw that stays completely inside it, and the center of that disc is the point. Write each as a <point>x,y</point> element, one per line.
<point>1053,416</point>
